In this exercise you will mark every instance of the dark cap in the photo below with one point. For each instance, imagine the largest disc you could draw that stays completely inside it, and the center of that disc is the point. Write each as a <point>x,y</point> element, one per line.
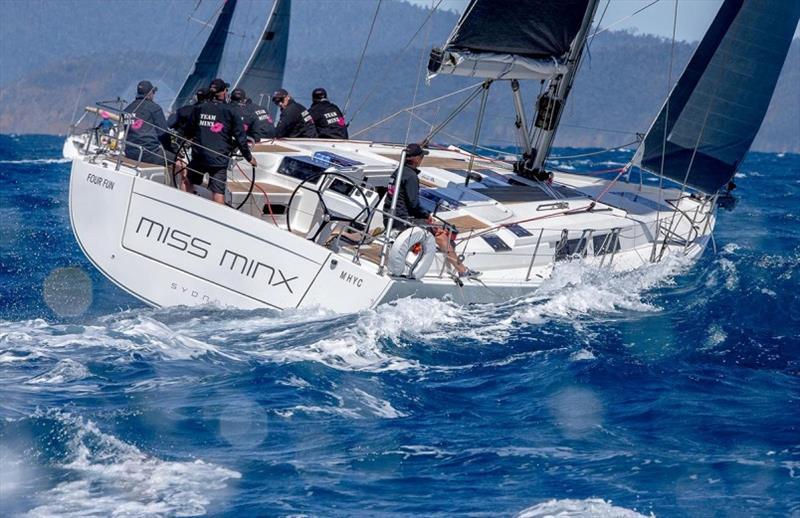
<point>414,149</point>
<point>279,95</point>
<point>201,94</point>
<point>217,85</point>
<point>145,87</point>
<point>238,95</point>
<point>319,94</point>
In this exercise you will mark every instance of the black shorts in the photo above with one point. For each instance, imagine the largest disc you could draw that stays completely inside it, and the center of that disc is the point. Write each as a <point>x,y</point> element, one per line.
<point>218,176</point>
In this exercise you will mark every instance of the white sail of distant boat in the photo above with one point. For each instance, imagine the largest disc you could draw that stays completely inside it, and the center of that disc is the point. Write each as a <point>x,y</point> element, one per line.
<point>263,73</point>
<point>206,66</point>
<point>306,227</point>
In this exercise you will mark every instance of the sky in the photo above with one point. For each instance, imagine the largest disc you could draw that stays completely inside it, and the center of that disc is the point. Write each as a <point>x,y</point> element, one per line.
<point>694,16</point>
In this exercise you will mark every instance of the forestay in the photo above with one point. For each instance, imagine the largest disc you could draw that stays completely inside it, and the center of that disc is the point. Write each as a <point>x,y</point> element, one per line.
<point>207,64</point>
<point>263,73</point>
<point>510,39</point>
<point>715,110</point>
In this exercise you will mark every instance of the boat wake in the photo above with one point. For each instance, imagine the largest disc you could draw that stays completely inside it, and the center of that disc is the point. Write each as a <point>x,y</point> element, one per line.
<point>376,340</point>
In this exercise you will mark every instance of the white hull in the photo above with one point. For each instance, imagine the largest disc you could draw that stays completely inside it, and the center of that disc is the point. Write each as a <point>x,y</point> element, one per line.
<point>170,248</point>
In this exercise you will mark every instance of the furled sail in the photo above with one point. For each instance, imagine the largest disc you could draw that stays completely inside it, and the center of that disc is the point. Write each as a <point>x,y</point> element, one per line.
<point>511,39</point>
<point>716,108</point>
<point>207,64</point>
<point>263,73</point>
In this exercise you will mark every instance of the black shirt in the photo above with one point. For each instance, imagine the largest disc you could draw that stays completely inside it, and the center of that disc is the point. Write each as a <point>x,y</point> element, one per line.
<point>328,119</point>
<point>146,131</point>
<point>180,119</point>
<point>408,206</point>
<point>295,122</point>
<point>256,120</point>
<point>217,128</point>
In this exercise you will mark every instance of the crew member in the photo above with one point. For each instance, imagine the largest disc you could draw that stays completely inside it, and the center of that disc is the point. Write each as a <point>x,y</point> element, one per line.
<point>179,122</point>
<point>409,209</point>
<point>147,132</point>
<point>217,130</point>
<point>257,122</point>
<point>295,120</point>
<point>180,118</point>
<point>328,118</point>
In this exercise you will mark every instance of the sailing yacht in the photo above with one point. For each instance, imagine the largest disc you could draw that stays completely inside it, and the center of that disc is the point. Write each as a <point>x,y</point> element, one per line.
<point>308,227</point>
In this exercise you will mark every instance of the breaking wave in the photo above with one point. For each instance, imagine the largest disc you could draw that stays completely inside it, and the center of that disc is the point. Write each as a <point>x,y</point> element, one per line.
<point>102,475</point>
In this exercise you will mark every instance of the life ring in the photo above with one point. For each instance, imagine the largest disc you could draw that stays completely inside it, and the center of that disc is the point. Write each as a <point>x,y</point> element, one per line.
<point>412,253</point>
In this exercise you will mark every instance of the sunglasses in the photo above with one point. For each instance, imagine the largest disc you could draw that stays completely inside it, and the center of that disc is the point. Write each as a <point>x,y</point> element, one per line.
<point>278,100</point>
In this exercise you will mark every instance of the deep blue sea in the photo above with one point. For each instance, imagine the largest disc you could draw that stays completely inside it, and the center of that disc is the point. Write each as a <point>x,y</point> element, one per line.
<point>673,390</point>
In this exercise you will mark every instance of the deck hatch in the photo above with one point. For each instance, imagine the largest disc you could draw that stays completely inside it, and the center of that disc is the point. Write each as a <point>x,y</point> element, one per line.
<point>497,244</point>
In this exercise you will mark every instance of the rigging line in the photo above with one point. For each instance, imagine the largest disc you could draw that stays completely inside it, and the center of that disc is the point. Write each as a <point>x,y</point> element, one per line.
<point>419,77</point>
<point>596,27</point>
<point>606,150</point>
<point>396,59</point>
<point>666,120</point>
<point>599,129</point>
<point>465,141</point>
<point>361,59</point>
<point>78,97</point>
<point>420,105</point>
<point>604,29</point>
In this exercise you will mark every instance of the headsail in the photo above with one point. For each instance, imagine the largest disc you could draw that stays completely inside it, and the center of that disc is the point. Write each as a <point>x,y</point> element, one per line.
<point>263,73</point>
<point>716,108</point>
<point>207,64</point>
<point>511,39</point>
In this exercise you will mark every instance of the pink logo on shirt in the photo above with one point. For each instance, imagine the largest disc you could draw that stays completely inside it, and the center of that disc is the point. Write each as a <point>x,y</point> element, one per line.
<point>217,127</point>
<point>137,124</point>
<point>340,122</point>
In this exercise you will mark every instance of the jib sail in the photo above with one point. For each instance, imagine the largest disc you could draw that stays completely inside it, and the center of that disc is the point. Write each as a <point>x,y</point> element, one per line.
<point>714,111</point>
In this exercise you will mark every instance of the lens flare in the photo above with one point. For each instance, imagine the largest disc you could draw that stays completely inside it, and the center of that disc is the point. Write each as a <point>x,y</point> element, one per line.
<point>68,291</point>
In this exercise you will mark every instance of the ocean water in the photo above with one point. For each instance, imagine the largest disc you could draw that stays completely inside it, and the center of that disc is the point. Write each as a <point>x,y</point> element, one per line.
<point>673,390</point>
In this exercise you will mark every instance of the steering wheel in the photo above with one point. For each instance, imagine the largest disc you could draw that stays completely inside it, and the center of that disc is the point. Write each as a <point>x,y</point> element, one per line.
<point>327,215</point>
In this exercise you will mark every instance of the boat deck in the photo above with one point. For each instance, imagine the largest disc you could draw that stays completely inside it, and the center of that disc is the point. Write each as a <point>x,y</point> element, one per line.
<point>506,225</point>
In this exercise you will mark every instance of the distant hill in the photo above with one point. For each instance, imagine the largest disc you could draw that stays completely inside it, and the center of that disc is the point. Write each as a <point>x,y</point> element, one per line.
<point>619,89</point>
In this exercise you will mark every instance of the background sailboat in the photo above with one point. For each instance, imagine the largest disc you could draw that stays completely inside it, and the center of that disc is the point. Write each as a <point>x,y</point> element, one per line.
<point>207,64</point>
<point>263,73</point>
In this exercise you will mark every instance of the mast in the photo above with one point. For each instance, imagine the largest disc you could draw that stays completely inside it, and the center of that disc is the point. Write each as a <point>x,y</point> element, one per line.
<point>551,103</point>
<point>207,64</point>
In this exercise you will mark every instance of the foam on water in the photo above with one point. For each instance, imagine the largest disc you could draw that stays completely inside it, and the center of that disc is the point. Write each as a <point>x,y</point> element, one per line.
<point>65,371</point>
<point>576,291</point>
<point>109,477</point>
<point>133,331</point>
<point>38,161</point>
<point>568,508</point>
